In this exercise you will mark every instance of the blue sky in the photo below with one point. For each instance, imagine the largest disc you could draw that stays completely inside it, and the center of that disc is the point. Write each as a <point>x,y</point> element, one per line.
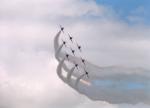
<point>125,8</point>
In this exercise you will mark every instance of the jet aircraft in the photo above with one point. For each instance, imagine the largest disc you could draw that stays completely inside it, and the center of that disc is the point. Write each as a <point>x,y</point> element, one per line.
<point>70,37</point>
<point>61,28</point>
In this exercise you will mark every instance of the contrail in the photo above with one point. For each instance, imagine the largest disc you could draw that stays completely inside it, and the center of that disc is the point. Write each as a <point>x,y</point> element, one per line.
<point>70,74</point>
<point>77,81</point>
<point>56,43</point>
<point>59,70</point>
<point>113,84</point>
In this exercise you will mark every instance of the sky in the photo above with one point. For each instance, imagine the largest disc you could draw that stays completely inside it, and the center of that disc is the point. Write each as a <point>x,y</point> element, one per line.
<point>111,33</point>
<point>126,8</point>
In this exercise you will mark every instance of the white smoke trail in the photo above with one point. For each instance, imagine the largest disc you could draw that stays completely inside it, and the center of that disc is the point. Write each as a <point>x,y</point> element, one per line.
<point>70,74</point>
<point>59,70</point>
<point>114,84</point>
<point>77,81</point>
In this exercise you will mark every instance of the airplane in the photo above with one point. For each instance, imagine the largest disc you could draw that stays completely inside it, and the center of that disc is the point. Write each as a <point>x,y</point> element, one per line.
<point>86,73</point>
<point>67,56</point>
<point>61,28</point>
<point>73,51</point>
<point>76,66</point>
<point>64,42</point>
<point>83,61</point>
<point>70,37</point>
<point>79,47</point>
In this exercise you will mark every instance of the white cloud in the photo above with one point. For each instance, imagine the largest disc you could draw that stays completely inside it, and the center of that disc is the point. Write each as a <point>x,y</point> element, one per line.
<point>27,28</point>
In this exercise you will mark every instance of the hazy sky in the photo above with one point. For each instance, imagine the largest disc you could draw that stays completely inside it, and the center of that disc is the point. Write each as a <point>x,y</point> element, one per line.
<point>112,33</point>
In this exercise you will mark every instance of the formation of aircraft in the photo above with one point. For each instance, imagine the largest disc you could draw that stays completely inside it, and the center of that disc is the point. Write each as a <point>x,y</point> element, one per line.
<point>73,51</point>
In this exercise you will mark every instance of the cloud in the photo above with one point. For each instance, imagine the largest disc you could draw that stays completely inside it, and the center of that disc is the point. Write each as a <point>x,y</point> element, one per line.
<point>27,66</point>
<point>46,11</point>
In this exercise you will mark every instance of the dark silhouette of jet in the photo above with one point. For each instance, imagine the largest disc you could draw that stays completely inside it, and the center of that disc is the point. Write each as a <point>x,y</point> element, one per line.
<point>86,73</point>
<point>62,28</point>
<point>83,61</point>
<point>76,65</point>
<point>73,51</point>
<point>67,56</point>
<point>79,47</point>
<point>64,42</point>
<point>70,37</point>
